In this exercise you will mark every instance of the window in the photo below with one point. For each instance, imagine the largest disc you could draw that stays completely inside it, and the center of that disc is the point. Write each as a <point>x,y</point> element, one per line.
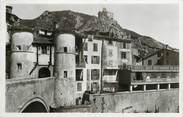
<point>149,62</point>
<point>110,52</point>
<point>49,33</point>
<point>41,32</point>
<point>88,86</point>
<point>110,42</point>
<point>86,47</point>
<point>139,76</point>
<point>174,85</point>
<point>167,53</point>
<point>65,74</point>
<point>124,45</point>
<point>94,74</point>
<point>95,59</point>
<point>167,62</point>
<point>95,47</point>
<point>95,87</point>
<point>88,74</point>
<point>123,55</point>
<point>79,86</point>
<point>65,49</point>
<point>44,49</point>
<point>86,58</point>
<point>79,75</point>
<point>159,54</point>
<point>18,47</point>
<point>77,59</point>
<point>19,65</point>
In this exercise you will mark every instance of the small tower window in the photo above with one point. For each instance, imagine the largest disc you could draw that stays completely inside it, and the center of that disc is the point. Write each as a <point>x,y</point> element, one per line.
<point>65,74</point>
<point>19,65</point>
<point>65,49</point>
<point>18,47</point>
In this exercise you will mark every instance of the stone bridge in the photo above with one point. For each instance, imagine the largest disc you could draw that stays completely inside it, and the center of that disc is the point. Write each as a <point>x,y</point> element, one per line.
<point>29,95</point>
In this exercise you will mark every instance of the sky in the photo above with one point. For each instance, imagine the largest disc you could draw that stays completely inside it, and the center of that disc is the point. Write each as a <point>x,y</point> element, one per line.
<point>159,21</point>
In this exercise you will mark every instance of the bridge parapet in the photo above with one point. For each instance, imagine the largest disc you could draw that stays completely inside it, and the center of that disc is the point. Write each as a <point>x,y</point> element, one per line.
<point>19,92</point>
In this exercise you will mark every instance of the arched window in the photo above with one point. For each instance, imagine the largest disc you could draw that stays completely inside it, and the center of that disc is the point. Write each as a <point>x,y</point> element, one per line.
<point>44,72</point>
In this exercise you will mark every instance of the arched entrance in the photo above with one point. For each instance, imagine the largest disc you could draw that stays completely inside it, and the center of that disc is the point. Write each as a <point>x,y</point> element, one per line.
<point>35,107</point>
<point>44,72</point>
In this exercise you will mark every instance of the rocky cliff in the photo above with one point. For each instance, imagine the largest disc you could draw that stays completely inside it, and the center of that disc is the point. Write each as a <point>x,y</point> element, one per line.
<point>83,23</point>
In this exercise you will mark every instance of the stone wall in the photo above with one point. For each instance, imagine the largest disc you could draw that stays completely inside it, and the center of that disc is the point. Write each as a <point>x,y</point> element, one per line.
<point>75,109</point>
<point>149,101</point>
<point>20,92</point>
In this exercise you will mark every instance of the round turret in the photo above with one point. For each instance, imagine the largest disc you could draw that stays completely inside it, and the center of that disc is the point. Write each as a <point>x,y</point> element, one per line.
<point>22,57</point>
<point>21,39</point>
<point>65,70</point>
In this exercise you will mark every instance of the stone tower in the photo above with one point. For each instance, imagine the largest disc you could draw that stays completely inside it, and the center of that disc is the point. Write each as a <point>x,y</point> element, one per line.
<point>65,88</point>
<point>22,57</point>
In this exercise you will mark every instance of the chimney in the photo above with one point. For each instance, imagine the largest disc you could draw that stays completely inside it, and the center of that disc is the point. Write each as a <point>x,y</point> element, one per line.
<point>9,9</point>
<point>166,46</point>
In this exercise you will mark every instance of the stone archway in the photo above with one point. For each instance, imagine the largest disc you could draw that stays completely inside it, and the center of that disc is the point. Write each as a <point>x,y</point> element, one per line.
<point>35,106</point>
<point>44,72</point>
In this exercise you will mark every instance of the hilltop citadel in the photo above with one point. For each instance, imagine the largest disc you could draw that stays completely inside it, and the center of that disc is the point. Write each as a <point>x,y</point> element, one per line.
<point>55,63</point>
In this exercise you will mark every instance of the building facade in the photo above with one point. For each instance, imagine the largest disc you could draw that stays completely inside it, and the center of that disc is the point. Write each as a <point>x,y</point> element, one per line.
<point>142,78</point>
<point>163,56</point>
<point>90,61</point>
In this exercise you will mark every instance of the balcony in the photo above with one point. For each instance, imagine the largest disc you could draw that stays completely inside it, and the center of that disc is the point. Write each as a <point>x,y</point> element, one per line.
<point>155,81</point>
<point>110,78</point>
<point>155,68</point>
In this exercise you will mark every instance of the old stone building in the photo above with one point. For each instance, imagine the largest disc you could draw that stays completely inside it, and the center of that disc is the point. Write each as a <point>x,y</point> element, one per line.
<point>80,61</point>
<point>164,56</point>
<point>76,62</point>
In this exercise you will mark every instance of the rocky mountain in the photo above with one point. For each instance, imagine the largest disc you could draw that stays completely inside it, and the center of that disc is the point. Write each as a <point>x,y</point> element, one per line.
<point>83,23</point>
